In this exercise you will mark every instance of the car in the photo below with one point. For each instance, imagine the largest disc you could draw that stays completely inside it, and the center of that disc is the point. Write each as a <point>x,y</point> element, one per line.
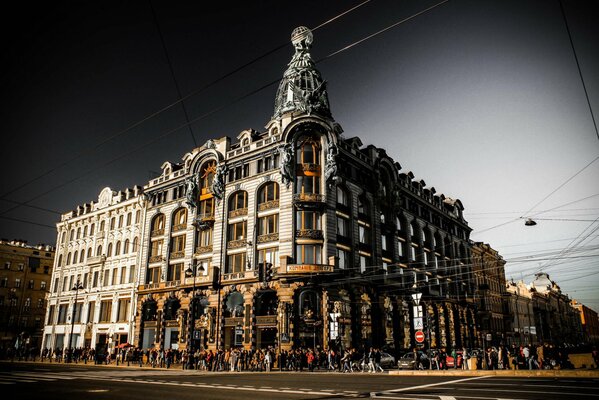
<point>387,360</point>
<point>407,361</point>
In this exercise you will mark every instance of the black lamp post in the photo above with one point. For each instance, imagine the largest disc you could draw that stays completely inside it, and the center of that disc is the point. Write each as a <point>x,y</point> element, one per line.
<point>77,287</point>
<point>192,270</point>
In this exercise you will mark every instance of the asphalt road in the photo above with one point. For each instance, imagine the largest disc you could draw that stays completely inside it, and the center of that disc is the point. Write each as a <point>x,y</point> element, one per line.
<point>64,382</point>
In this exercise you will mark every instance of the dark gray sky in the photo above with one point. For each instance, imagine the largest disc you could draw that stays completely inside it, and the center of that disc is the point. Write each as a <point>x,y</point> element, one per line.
<point>481,99</point>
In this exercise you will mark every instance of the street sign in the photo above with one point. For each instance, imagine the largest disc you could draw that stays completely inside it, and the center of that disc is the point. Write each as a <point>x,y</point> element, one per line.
<point>418,323</point>
<point>197,335</point>
<point>419,336</point>
<point>416,297</point>
<point>489,337</point>
<point>417,311</point>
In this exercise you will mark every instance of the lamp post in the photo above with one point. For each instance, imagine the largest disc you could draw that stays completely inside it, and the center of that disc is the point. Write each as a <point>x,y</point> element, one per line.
<point>77,287</point>
<point>189,272</point>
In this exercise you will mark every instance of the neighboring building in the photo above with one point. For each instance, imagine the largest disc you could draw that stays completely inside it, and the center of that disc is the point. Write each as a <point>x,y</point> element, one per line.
<point>489,272</point>
<point>589,321</point>
<point>557,321</point>
<point>98,247</point>
<point>25,273</point>
<point>299,237</point>
<point>520,307</point>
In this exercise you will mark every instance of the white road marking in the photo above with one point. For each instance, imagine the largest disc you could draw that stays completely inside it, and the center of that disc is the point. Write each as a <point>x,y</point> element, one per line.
<point>376,394</point>
<point>447,398</point>
<point>534,391</point>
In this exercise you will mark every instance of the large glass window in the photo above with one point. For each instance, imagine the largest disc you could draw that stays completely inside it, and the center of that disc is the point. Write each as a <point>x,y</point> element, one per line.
<point>178,243</point>
<point>123,312</point>
<point>205,237</point>
<point>238,201</point>
<point>343,258</point>
<point>268,192</point>
<point>268,224</point>
<point>156,248</point>
<point>308,220</point>
<point>270,255</point>
<point>308,184</point>
<point>105,310</point>
<point>343,226</point>
<point>175,272</point>
<point>153,275</point>
<point>308,152</point>
<point>308,254</point>
<point>236,263</point>
<point>237,231</point>
<point>364,233</point>
<point>158,224</point>
<point>180,219</point>
<point>342,196</point>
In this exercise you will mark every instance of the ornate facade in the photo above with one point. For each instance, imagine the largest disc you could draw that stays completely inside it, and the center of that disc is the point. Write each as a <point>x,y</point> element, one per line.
<point>97,247</point>
<point>297,236</point>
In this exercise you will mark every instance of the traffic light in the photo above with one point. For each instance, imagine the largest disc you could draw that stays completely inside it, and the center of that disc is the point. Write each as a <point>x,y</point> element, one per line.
<point>216,278</point>
<point>261,272</point>
<point>268,272</point>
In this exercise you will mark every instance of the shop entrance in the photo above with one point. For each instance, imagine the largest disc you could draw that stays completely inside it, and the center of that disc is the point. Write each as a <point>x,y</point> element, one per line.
<point>266,337</point>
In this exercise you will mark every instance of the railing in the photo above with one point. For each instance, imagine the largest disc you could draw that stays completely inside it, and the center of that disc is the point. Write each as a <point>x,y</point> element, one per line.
<point>157,232</point>
<point>270,320</point>
<point>238,212</point>
<point>154,259</point>
<point>268,205</point>
<point>180,227</point>
<point>96,260</point>
<point>177,254</point>
<point>308,197</point>
<point>235,244</point>
<point>238,275</point>
<point>203,249</point>
<point>269,237</point>
<point>173,283</point>
<point>315,234</point>
<point>206,217</point>
<point>308,167</point>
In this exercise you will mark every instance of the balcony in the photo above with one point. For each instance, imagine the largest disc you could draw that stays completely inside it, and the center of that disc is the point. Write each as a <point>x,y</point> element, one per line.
<point>313,234</point>
<point>203,249</point>
<point>308,201</point>
<point>269,237</point>
<point>172,283</point>
<point>96,260</point>
<point>157,232</point>
<point>179,228</point>
<point>177,254</point>
<point>237,213</point>
<point>309,169</point>
<point>268,205</point>
<point>155,259</point>
<point>236,244</point>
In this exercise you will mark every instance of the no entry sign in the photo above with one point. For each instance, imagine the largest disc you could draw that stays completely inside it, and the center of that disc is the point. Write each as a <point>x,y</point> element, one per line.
<point>419,336</point>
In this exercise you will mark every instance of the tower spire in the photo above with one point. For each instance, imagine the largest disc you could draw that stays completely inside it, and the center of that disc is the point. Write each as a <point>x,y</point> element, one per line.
<point>302,88</point>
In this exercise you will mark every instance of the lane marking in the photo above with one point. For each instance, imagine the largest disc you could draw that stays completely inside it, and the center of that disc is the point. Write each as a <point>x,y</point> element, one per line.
<point>447,398</point>
<point>376,394</point>
<point>534,385</point>
<point>534,391</point>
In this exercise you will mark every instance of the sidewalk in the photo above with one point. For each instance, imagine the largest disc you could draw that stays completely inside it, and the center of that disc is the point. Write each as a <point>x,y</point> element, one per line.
<point>562,373</point>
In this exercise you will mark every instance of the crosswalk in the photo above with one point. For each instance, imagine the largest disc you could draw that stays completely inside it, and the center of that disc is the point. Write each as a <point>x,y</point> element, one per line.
<point>16,377</point>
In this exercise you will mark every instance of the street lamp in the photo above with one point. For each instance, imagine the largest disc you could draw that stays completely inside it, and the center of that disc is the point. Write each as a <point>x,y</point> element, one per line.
<point>77,287</point>
<point>192,270</point>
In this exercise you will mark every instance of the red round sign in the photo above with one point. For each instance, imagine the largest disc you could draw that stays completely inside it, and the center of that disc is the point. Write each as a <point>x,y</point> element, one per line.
<point>419,336</point>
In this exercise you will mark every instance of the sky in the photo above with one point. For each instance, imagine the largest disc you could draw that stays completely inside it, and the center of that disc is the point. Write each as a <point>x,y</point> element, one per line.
<point>480,99</point>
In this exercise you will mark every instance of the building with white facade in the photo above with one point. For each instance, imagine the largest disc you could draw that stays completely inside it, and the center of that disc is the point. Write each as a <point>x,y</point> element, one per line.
<point>94,275</point>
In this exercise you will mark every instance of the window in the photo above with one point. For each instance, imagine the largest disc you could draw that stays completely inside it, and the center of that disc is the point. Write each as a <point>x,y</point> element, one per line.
<point>206,208</point>
<point>384,242</point>
<point>17,283</point>
<point>178,244</point>
<point>106,280</point>
<point>131,273</point>
<point>85,279</point>
<point>343,226</point>
<point>123,275</point>
<point>99,250</point>
<point>95,279</point>
<point>27,304</point>
<point>68,259</point>
<point>78,233</point>
<point>115,275</point>
<point>56,285</point>
<point>308,184</point>
<point>364,233</point>
<point>40,303</point>
<point>268,192</point>
<point>71,282</point>
<point>308,254</point>
<point>180,219</point>
<point>236,263</point>
<point>62,314</point>
<point>92,228</point>
<point>124,307</point>
<point>105,310</point>
<point>363,207</point>
<point>75,254</point>
<point>205,237</point>
<point>51,311</point>
<point>342,197</point>
<point>412,253</point>
<point>364,263</point>
<point>43,285</point>
<point>135,246</point>
<point>117,249</point>
<point>308,152</point>
<point>308,220</point>
<point>343,258</point>
<point>238,201</point>
<point>4,282</point>
<point>174,272</point>
<point>77,314</point>
<point>237,231</point>
<point>158,225</point>
<point>270,255</point>
<point>81,256</point>
<point>112,223</point>
<point>31,284</point>
<point>109,251</point>
<point>268,224</point>
<point>91,310</point>
<point>156,248</point>
<point>153,275</point>
<point>120,221</point>
<point>7,265</point>
<point>85,231</point>
<point>128,219</point>
<point>102,226</point>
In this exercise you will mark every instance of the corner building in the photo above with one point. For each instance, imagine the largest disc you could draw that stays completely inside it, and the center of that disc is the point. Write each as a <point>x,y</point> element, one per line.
<point>296,236</point>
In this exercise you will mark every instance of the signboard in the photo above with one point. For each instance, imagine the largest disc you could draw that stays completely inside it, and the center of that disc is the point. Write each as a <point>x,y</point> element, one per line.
<point>489,337</point>
<point>197,335</point>
<point>418,323</point>
<point>309,268</point>
<point>416,297</point>
<point>419,336</point>
<point>238,335</point>
<point>417,311</point>
<point>533,330</point>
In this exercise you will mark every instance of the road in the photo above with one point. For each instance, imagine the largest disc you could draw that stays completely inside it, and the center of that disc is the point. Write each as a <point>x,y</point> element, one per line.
<point>64,382</point>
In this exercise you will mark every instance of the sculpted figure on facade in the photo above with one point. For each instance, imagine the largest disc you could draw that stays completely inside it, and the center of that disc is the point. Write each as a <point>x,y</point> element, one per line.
<point>218,184</point>
<point>330,171</point>
<point>191,192</point>
<point>286,152</point>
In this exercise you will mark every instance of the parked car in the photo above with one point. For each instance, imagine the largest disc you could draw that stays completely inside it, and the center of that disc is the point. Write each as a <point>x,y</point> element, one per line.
<point>387,360</point>
<point>407,361</point>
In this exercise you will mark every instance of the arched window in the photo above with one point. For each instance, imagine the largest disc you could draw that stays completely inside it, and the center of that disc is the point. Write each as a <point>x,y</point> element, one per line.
<point>308,151</point>
<point>59,261</point>
<point>72,235</point>
<point>120,221</point>
<point>68,259</point>
<point>109,252</point>
<point>126,247</point>
<point>99,250</point>
<point>269,192</point>
<point>117,249</point>
<point>207,176</point>
<point>343,197</point>
<point>81,256</point>
<point>85,231</point>
<point>238,203</point>
<point>137,216</point>
<point>128,219</point>
<point>79,233</point>
<point>102,226</point>
<point>363,206</point>
<point>158,225</point>
<point>135,246</point>
<point>75,254</point>
<point>180,219</point>
<point>89,252</point>
<point>112,222</point>
<point>92,228</point>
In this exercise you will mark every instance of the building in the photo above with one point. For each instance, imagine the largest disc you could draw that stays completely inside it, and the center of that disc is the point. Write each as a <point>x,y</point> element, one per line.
<point>589,321</point>
<point>520,309</point>
<point>297,236</point>
<point>492,309</point>
<point>24,282</point>
<point>94,277</point>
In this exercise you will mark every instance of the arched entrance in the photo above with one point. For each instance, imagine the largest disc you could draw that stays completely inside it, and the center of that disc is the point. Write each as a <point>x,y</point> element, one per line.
<point>233,330</point>
<point>309,319</point>
<point>266,303</point>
